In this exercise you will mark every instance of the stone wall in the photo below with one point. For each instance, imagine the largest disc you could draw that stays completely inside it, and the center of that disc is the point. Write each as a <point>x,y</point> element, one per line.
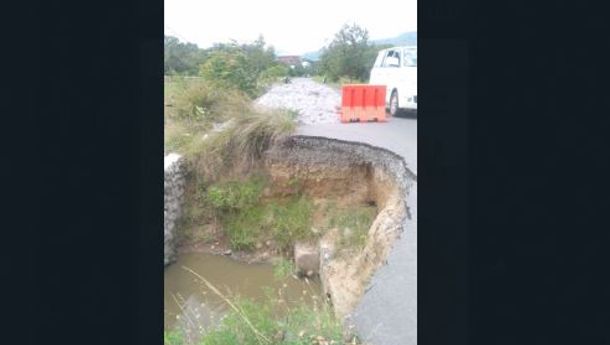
<point>174,195</point>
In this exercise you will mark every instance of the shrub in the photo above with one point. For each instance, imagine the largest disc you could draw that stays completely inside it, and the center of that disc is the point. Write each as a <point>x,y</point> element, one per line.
<point>229,69</point>
<point>247,67</point>
<point>272,74</point>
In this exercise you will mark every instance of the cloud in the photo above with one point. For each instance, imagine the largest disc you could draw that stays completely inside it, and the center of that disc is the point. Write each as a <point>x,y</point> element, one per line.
<point>292,26</point>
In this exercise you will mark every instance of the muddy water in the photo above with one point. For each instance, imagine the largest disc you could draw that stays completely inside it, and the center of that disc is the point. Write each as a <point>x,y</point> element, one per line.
<point>189,304</point>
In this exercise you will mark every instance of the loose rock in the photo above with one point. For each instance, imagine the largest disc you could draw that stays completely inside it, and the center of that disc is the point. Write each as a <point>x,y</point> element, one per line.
<point>314,102</point>
<point>306,258</point>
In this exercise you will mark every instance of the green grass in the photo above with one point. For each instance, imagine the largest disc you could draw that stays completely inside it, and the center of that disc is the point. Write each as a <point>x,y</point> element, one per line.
<point>240,145</point>
<point>353,223</point>
<point>271,321</point>
<point>236,195</point>
<point>247,221</point>
<point>301,325</point>
<point>193,106</point>
<point>173,337</point>
<point>283,221</point>
<point>291,220</point>
<point>320,79</point>
<point>236,206</point>
<point>282,269</point>
<point>245,228</point>
<point>339,83</point>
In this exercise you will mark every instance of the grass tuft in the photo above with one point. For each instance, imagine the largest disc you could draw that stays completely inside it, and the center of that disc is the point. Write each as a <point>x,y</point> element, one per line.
<point>173,337</point>
<point>291,221</point>
<point>353,223</point>
<point>194,106</point>
<point>236,195</point>
<point>282,269</point>
<point>241,143</point>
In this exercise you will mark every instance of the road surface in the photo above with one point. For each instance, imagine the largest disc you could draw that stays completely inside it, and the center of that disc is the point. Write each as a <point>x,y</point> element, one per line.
<point>399,135</point>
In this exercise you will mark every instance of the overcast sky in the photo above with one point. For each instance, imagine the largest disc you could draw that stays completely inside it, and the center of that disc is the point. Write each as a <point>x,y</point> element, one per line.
<point>292,27</point>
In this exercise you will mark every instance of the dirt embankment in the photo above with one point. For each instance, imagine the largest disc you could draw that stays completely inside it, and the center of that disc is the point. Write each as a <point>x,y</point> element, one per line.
<point>353,173</point>
<point>345,174</point>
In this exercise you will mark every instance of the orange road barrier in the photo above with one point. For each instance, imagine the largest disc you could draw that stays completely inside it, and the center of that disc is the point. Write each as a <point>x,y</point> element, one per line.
<point>363,103</point>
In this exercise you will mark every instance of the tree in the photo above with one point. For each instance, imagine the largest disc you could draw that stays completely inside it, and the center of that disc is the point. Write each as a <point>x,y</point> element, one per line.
<point>348,55</point>
<point>248,67</point>
<point>181,58</point>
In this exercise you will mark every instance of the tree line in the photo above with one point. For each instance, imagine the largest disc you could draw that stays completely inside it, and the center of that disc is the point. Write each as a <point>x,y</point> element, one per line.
<point>251,66</point>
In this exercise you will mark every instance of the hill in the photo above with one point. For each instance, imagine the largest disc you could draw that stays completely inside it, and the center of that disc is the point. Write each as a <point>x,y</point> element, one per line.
<point>404,39</point>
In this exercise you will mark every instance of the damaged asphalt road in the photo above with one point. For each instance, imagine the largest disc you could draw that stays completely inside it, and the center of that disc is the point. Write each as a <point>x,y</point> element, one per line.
<point>387,313</point>
<point>399,135</point>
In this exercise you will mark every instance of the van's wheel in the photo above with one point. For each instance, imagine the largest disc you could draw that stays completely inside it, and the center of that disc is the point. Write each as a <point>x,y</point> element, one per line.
<point>394,103</point>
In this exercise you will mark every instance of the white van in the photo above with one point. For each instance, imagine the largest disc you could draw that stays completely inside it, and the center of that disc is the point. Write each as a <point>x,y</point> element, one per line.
<point>396,68</point>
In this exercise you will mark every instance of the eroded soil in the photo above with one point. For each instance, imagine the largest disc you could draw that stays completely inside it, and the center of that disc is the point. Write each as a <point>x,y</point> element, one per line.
<point>337,179</point>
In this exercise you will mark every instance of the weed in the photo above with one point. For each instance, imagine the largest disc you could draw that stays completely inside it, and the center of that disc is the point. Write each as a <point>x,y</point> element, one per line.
<point>294,114</point>
<point>235,195</point>
<point>245,228</point>
<point>173,337</point>
<point>200,102</point>
<point>285,222</point>
<point>241,143</point>
<point>258,323</point>
<point>246,221</point>
<point>192,106</point>
<point>300,325</point>
<point>291,221</point>
<point>354,224</point>
<point>282,269</point>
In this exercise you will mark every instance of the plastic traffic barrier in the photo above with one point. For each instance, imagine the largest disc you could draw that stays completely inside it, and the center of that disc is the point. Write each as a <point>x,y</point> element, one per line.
<point>363,103</point>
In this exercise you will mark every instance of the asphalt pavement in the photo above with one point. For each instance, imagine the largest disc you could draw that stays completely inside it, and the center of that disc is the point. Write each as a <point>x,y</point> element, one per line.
<point>398,134</point>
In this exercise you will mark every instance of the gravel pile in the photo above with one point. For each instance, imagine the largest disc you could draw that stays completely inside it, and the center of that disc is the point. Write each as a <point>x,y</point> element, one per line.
<point>315,102</point>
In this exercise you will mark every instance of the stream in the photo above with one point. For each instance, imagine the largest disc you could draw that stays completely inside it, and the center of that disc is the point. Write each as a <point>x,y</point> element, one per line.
<point>190,305</point>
